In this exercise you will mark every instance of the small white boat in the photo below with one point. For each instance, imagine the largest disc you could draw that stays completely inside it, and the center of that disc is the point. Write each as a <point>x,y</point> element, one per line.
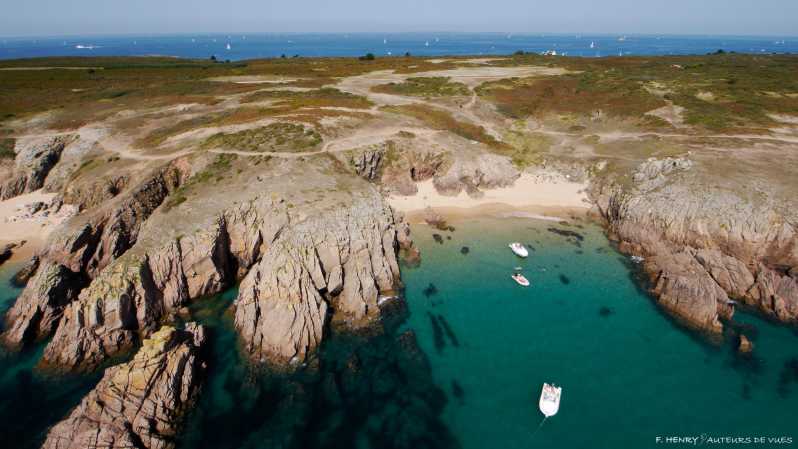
<point>550,400</point>
<point>520,279</point>
<point>229,47</point>
<point>519,249</point>
<point>592,44</point>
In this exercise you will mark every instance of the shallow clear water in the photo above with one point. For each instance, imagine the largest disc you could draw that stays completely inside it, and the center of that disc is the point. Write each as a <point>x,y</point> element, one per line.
<point>628,373</point>
<point>270,45</point>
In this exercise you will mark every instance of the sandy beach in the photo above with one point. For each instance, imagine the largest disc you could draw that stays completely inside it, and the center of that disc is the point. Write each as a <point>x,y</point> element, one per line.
<point>532,196</point>
<point>17,225</point>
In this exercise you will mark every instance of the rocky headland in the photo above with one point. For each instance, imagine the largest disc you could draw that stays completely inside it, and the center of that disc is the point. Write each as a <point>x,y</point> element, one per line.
<point>141,403</point>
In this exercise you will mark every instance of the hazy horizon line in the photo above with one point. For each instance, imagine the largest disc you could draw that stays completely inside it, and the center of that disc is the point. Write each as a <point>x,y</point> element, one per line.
<point>431,31</point>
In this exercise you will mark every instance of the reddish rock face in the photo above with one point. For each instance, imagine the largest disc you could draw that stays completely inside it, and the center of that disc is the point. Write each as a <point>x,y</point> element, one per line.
<point>140,403</point>
<point>703,249</point>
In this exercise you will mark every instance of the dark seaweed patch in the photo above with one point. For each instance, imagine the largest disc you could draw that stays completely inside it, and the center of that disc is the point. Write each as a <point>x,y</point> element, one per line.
<point>438,238</point>
<point>449,332</point>
<point>448,237</point>
<point>788,375</point>
<point>605,311</point>
<point>430,290</point>
<point>566,233</point>
<point>565,279</point>
<point>746,392</point>
<point>458,392</point>
<point>571,237</point>
<point>465,250</point>
<point>437,333</point>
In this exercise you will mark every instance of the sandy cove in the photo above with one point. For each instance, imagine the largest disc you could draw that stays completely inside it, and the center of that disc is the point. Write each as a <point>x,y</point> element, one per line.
<point>16,225</point>
<point>531,196</point>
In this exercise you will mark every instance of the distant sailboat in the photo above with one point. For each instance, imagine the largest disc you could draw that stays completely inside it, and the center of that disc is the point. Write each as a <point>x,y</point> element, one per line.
<point>592,44</point>
<point>385,41</point>
<point>228,46</point>
<point>426,44</point>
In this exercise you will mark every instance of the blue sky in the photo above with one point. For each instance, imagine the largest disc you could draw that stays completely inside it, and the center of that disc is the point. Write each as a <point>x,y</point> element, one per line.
<point>63,17</point>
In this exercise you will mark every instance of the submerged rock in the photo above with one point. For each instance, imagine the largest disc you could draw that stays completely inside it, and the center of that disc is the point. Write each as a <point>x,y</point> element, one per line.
<point>449,332</point>
<point>438,238</point>
<point>22,276</point>
<point>464,250</point>
<point>745,346</point>
<point>430,290</point>
<point>605,311</point>
<point>6,251</point>
<point>437,333</point>
<point>141,403</point>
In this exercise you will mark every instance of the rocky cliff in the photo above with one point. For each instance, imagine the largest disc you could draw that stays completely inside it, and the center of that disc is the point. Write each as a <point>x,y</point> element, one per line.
<point>79,251</point>
<point>340,263</point>
<point>141,403</point>
<point>311,253</point>
<point>705,245</point>
<point>35,158</point>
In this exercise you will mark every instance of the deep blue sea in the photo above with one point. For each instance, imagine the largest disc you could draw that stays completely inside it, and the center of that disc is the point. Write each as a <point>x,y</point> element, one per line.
<point>270,45</point>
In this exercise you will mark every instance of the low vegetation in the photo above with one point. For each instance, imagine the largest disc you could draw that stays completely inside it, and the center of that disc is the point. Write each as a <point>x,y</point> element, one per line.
<point>720,92</point>
<point>7,148</point>
<point>316,98</point>
<point>424,87</point>
<point>275,137</point>
<point>442,120</point>
<point>584,93</point>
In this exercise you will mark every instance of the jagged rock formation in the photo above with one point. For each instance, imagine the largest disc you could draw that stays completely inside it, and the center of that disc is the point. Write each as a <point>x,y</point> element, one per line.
<point>704,249</point>
<point>80,251</point>
<point>484,171</point>
<point>344,261</point>
<point>22,276</point>
<point>33,162</point>
<point>653,168</point>
<point>141,403</point>
<point>367,161</point>
<point>336,253</point>
<point>37,311</point>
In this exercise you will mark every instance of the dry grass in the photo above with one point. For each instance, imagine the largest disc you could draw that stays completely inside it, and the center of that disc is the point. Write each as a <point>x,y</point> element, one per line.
<point>424,87</point>
<point>275,137</point>
<point>442,120</point>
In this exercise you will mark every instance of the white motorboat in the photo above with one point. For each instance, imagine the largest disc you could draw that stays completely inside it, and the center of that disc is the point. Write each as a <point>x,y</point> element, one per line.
<point>550,400</point>
<point>522,281</point>
<point>519,249</point>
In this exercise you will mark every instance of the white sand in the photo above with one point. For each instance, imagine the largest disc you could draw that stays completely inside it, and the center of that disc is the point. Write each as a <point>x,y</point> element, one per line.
<point>16,225</point>
<point>528,192</point>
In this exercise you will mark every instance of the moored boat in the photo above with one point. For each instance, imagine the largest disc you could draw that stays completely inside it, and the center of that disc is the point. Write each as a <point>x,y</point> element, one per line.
<point>550,400</point>
<point>520,279</point>
<point>519,249</point>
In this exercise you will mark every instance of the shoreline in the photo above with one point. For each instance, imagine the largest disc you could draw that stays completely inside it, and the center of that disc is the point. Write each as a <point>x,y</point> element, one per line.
<point>543,196</point>
<point>16,226</point>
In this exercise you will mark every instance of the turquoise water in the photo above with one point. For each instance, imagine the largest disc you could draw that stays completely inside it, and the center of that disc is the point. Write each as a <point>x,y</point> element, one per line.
<point>472,380</point>
<point>31,401</point>
<point>628,373</point>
